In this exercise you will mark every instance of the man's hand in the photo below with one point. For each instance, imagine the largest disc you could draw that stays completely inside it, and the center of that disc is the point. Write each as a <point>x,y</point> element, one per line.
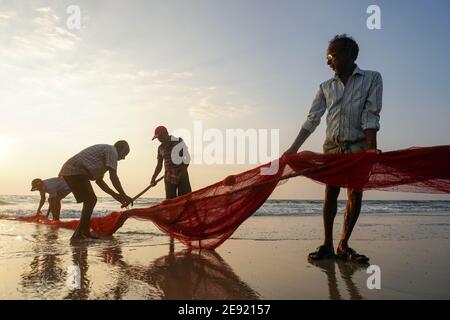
<point>124,200</point>
<point>290,151</point>
<point>128,201</point>
<point>153,182</point>
<point>377,151</point>
<point>118,197</point>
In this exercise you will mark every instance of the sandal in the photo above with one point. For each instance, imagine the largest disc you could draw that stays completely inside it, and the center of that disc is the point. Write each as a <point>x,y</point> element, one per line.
<point>322,252</point>
<point>348,254</point>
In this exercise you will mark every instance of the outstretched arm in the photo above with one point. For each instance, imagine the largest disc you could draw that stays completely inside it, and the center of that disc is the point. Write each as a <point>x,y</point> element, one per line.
<point>116,182</point>
<point>316,112</point>
<point>41,202</point>
<point>102,184</point>
<point>301,138</point>
<point>122,198</point>
<point>157,171</point>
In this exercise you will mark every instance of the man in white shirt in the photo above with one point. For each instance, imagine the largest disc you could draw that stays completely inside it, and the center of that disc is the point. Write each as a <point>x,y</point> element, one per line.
<point>352,99</point>
<point>91,164</point>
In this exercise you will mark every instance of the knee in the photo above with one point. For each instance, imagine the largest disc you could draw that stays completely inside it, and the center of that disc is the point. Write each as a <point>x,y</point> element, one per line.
<point>331,193</point>
<point>354,195</point>
<point>91,201</point>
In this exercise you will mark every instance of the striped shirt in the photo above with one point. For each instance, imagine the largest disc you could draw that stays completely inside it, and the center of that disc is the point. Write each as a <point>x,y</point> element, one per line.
<point>93,162</point>
<point>351,109</point>
<point>174,153</point>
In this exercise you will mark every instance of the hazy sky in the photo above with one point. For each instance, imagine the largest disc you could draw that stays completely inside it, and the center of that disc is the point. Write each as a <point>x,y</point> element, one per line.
<point>231,64</point>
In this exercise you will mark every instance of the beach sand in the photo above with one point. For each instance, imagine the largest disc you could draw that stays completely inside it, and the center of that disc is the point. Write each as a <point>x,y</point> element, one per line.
<point>265,259</point>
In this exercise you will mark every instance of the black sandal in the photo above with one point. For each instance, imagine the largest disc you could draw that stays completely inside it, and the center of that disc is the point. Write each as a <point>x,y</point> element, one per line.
<point>322,252</point>
<point>348,254</point>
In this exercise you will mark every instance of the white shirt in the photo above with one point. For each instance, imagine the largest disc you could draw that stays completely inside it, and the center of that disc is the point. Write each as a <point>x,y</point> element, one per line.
<point>352,108</point>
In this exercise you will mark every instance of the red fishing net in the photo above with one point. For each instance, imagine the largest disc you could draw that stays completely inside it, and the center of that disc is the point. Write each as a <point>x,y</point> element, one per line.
<point>207,217</point>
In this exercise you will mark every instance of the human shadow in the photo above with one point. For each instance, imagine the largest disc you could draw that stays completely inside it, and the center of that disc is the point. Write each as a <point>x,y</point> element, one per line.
<point>77,280</point>
<point>44,272</point>
<point>187,274</point>
<point>346,271</point>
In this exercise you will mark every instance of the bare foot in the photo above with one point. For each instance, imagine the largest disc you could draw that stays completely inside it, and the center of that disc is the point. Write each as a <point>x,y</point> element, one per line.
<point>90,236</point>
<point>77,238</point>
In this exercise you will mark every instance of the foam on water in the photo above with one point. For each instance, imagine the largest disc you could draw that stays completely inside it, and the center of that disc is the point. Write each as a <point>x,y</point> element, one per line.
<point>26,205</point>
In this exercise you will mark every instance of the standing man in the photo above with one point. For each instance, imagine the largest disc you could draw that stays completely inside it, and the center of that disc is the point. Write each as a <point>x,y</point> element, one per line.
<point>91,164</point>
<point>57,190</point>
<point>352,99</point>
<point>174,154</point>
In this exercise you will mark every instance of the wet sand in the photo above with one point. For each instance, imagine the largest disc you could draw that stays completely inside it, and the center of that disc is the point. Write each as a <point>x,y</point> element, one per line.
<point>265,259</point>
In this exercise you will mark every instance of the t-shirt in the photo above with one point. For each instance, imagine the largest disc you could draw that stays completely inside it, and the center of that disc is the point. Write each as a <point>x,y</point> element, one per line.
<point>56,187</point>
<point>93,162</point>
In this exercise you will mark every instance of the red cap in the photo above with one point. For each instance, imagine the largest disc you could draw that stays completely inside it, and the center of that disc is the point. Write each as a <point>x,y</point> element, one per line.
<point>159,131</point>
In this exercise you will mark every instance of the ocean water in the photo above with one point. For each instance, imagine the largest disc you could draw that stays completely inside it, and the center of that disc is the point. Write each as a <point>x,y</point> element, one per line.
<point>18,205</point>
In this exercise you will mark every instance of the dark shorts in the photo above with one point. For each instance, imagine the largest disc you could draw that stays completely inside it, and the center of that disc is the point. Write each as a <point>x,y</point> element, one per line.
<point>81,187</point>
<point>344,147</point>
<point>176,190</point>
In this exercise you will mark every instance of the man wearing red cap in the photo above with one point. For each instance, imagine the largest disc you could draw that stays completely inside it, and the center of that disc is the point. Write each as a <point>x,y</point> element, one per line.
<point>173,153</point>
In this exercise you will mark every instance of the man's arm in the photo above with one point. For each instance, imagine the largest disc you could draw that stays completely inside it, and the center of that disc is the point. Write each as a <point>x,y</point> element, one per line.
<point>371,139</point>
<point>116,182</point>
<point>41,202</point>
<point>102,184</point>
<point>370,116</point>
<point>316,112</point>
<point>301,138</point>
<point>157,171</point>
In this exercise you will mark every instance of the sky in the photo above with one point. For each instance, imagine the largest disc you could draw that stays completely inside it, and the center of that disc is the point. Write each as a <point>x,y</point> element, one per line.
<point>253,64</point>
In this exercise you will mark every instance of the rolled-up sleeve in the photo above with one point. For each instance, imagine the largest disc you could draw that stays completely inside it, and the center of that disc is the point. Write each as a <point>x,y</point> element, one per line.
<point>316,112</point>
<point>111,157</point>
<point>370,117</point>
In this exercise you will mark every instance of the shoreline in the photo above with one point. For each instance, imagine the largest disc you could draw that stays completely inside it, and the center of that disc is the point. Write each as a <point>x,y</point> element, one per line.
<point>137,263</point>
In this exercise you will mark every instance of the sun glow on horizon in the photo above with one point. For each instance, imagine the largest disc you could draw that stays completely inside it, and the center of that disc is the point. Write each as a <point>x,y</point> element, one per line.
<point>5,148</point>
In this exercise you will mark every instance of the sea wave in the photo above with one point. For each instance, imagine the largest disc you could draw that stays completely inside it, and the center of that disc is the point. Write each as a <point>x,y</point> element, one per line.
<point>26,205</point>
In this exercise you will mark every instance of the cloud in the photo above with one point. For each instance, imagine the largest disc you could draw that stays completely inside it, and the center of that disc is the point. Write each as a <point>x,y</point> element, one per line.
<point>58,79</point>
<point>208,108</point>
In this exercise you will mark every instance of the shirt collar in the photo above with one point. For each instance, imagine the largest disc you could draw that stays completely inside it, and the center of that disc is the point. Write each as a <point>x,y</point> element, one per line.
<point>357,70</point>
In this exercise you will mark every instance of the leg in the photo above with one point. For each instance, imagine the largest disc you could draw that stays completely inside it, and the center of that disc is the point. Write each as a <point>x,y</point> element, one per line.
<point>351,215</point>
<point>82,190</point>
<point>83,229</point>
<point>329,213</point>
<point>56,208</point>
<point>171,190</point>
<point>184,186</point>
<point>171,245</point>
